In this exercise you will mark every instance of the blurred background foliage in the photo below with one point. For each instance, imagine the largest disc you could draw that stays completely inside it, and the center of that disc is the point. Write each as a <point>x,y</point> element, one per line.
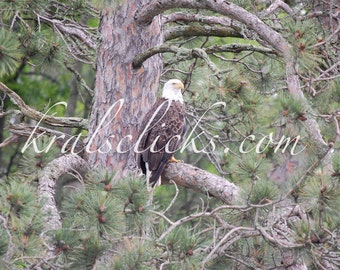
<point>43,65</point>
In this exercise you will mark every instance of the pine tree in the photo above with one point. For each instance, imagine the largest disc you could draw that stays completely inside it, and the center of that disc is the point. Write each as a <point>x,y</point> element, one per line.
<point>262,94</point>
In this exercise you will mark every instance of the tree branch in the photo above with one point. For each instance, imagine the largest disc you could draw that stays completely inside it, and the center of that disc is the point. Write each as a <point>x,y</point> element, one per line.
<point>190,17</point>
<point>47,186</point>
<point>10,249</point>
<point>276,5</point>
<point>188,176</point>
<point>63,140</point>
<point>80,79</point>
<point>195,30</point>
<point>145,15</point>
<point>186,54</point>
<point>75,30</point>
<point>38,116</point>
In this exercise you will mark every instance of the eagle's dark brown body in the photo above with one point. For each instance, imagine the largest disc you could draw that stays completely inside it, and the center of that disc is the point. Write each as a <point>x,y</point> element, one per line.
<point>161,135</point>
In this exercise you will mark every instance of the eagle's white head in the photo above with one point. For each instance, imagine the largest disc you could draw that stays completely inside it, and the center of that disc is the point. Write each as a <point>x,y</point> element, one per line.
<point>172,90</point>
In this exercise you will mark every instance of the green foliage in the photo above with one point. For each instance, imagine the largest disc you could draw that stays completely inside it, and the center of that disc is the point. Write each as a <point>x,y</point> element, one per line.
<point>321,197</point>
<point>95,208</point>
<point>105,214</point>
<point>101,214</point>
<point>42,91</point>
<point>329,97</point>
<point>100,179</point>
<point>40,152</point>
<point>302,230</point>
<point>44,49</point>
<point>263,191</point>
<point>37,60</point>
<point>180,245</point>
<point>10,52</point>
<point>85,255</point>
<point>64,241</point>
<point>268,75</point>
<point>134,194</point>
<point>9,8</point>
<point>17,199</point>
<point>137,254</point>
<point>336,165</point>
<point>249,167</point>
<point>291,107</point>
<point>303,35</point>
<point>4,241</point>
<point>21,210</point>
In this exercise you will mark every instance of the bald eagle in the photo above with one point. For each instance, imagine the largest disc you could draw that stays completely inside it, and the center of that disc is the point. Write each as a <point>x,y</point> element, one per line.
<point>161,132</point>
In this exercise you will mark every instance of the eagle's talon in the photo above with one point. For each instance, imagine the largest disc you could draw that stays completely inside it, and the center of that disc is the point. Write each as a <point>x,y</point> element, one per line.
<point>173,160</point>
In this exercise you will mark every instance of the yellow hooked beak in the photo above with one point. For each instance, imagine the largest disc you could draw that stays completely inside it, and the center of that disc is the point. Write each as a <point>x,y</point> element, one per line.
<point>180,85</point>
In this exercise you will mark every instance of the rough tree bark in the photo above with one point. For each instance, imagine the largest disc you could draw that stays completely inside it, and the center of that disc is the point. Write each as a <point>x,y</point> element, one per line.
<point>47,185</point>
<point>122,39</point>
<point>202,181</point>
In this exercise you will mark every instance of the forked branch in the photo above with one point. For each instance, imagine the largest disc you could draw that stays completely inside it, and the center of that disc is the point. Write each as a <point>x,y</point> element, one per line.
<point>146,14</point>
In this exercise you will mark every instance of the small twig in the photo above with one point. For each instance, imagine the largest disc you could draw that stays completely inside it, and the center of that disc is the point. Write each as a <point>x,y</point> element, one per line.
<point>80,79</point>
<point>327,39</point>
<point>276,5</point>
<point>162,216</point>
<point>180,222</point>
<point>8,255</point>
<point>337,127</point>
<point>9,140</point>
<point>213,251</point>
<point>66,142</point>
<point>3,114</point>
<point>305,174</point>
<point>73,30</point>
<point>174,198</point>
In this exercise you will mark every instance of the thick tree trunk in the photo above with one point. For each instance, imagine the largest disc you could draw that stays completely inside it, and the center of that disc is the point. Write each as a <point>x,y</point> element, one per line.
<point>122,39</point>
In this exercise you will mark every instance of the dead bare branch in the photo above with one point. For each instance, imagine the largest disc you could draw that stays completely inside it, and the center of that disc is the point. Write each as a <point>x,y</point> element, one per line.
<point>66,142</point>
<point>82,34</point>
<point>38,116</point>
